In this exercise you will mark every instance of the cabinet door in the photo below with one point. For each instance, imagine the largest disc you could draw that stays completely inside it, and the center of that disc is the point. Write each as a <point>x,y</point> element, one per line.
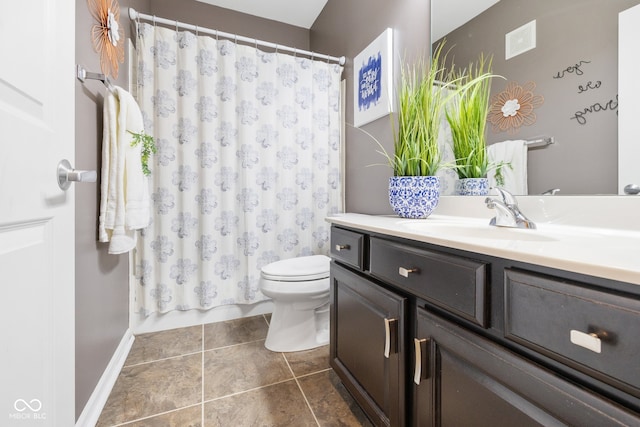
<point>368,345</point>
<point>462,379</point>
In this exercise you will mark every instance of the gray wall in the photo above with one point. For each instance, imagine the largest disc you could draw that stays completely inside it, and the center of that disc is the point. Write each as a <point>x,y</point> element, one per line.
<point>102,291</point>
<point>345,28</point>
<point>585,157</point>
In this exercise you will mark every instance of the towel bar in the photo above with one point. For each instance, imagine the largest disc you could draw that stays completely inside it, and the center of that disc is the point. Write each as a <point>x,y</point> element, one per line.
<point>82,74</point>
<point>540,142</point>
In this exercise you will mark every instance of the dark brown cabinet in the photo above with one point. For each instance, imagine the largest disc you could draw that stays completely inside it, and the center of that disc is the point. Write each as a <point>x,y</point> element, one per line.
<point>461,379</point>
<point>368,350</point>
<point>424,335</point>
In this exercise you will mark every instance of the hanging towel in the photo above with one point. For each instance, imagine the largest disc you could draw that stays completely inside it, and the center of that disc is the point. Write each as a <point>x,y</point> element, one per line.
<point>514,170</point>
<point>125,202</point>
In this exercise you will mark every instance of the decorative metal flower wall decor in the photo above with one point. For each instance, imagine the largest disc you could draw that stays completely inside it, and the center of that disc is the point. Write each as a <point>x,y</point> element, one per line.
<point>107,36</point>
<point>513,108</point>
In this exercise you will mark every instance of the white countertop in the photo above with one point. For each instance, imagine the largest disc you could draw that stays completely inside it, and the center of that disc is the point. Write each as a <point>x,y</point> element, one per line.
<point>611,253</point>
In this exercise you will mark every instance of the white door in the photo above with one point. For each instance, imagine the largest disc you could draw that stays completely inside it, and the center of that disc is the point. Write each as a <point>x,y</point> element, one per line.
<point>629,94</point>
<point>37,48</point>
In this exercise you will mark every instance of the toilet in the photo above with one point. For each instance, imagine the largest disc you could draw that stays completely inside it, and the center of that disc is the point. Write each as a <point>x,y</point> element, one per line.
<point>299,288</point>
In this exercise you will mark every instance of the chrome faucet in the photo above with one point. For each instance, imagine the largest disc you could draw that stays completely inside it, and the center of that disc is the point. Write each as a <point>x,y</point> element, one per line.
<point>507,212</point>
<point>551,192</point>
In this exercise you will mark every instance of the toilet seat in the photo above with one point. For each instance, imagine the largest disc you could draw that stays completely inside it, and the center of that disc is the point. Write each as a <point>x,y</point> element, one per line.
<point>273,288</point>
<point>302,269</point>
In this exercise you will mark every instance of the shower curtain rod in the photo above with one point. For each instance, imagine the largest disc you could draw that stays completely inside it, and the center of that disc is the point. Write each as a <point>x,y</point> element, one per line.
<point>135,15</point>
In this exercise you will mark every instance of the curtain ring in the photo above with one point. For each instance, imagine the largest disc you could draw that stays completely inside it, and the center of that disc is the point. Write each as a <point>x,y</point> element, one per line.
<point>196,31</point>
<point>138,24</point>
<point>177,26</point>
<point>154,20</point>
<point>295,53</point>
<point>276,48</point>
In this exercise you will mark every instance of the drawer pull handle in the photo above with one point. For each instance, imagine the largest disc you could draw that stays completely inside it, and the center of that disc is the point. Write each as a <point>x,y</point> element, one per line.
<point>404,272</point>
<point>390,334</point>
<point>421,354</point>
<point>589,341</point>
<point>342,247</point>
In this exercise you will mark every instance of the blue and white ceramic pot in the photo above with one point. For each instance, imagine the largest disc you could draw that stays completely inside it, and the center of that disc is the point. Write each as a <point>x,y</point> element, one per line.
<point>414,196</point>
<point>472,187</point>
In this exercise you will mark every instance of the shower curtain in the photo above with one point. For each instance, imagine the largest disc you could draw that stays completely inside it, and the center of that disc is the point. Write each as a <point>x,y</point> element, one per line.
<point>247,166</point>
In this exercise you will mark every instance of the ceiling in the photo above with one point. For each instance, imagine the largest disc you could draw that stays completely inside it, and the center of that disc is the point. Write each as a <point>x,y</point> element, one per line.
<point>450,13</point>
<point>301,13</point>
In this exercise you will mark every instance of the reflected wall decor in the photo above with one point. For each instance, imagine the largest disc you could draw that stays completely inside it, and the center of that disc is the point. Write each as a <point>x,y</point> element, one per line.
<point>373,80</point>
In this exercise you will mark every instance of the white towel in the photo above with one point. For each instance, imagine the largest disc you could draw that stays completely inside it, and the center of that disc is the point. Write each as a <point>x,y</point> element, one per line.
<point>125,202</point>
<point>514,172</point>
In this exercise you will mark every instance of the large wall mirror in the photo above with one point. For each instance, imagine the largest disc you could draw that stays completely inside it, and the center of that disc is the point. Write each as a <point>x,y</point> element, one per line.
<point>574,67</point>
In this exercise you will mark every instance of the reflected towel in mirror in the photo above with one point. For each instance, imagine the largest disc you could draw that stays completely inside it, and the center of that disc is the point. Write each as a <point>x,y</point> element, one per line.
<point>513,153</point>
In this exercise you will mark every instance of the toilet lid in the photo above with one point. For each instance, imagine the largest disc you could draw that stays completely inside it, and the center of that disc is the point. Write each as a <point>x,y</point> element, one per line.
<point>298,269</point>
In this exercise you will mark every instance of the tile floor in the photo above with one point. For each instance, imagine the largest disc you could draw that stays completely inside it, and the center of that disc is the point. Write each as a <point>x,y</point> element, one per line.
<point>220,374</point>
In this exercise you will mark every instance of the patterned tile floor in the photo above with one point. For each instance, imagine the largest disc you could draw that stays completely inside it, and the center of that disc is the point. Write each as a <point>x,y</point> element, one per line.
<point>220,374</point>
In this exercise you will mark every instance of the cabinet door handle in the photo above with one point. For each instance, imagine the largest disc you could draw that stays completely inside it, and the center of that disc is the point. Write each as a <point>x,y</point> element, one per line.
<point>589,341</point>
<point>421,354</point>
<point>404,272</point>
<point>342,247</point>
<point>391,336</point>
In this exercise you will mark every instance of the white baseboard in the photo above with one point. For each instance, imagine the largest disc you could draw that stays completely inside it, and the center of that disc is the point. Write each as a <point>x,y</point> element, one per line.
<point>182,319</point>
<point>97,400</point>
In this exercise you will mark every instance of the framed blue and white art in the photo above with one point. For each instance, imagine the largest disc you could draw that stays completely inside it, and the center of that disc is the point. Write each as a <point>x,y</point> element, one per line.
<point>373,80</point>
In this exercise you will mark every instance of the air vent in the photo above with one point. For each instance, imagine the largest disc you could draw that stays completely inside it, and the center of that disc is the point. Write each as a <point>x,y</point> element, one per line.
<point>520,40</point>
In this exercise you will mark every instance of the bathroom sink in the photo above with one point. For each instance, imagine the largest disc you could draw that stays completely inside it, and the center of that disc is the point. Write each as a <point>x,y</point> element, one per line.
<point>476,230</point>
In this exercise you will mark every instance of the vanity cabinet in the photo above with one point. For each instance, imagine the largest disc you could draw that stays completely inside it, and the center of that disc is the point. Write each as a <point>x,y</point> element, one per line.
<point>425,335</point>
<point>368,351</point>
<point>462,379</point>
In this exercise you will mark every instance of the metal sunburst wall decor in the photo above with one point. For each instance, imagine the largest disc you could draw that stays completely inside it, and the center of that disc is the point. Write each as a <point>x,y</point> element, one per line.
<point>513,107</point>
<point>107,36</point>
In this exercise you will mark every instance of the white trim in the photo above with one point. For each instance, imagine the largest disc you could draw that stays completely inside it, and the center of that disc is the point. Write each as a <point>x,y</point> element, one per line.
<point>182,319</point>
<point>97,400</point>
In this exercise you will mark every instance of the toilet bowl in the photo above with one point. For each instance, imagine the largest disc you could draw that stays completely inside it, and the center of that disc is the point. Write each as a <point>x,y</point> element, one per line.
<point>299,288</point>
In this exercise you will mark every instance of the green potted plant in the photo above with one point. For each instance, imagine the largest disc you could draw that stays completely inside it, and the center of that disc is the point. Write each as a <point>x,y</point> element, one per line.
<point>467,118</point>
<point>414,190</point>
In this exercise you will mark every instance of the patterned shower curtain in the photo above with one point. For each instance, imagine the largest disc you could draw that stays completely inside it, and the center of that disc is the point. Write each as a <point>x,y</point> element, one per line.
<point>247,167</point>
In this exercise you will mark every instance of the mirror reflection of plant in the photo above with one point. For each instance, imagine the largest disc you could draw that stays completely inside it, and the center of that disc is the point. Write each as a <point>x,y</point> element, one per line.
<point>467,118</point>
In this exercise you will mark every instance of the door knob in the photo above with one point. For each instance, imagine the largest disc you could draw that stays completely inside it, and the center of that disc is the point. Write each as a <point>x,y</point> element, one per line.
<point>67,175</point>
<point>632,189</point>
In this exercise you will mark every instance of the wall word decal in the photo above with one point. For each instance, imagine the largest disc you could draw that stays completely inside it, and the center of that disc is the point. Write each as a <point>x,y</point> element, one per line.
<point>589,85</point>
<point>370,83</point>
<point>581,115</point>
<point>571,70</point>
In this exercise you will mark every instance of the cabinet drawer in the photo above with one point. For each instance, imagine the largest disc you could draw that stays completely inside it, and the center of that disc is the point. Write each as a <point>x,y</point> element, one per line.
<point>590,330</point>
<point>348,247</point>
<point>454,283</point>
